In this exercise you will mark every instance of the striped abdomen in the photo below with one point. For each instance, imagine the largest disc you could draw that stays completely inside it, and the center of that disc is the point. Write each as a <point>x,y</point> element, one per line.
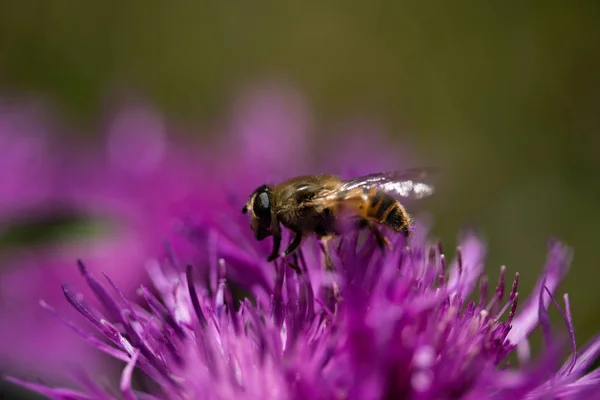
<point>386,210</point>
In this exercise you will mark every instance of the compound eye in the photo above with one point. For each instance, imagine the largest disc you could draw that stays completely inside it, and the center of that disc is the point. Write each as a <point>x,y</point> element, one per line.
<point>262,205</point>
<point>262,210</point>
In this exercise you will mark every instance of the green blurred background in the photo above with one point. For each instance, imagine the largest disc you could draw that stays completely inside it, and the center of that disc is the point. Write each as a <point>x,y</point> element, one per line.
<point>504,95</point>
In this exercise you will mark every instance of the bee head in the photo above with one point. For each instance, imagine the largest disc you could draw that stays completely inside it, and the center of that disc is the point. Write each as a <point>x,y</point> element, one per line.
<point>261,213</point>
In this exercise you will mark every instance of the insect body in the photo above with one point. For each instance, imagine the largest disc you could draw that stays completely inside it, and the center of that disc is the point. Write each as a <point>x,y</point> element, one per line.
<point>317,204</point>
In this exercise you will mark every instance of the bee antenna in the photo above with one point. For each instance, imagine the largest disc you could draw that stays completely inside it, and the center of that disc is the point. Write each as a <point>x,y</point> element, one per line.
<point>244,209</point>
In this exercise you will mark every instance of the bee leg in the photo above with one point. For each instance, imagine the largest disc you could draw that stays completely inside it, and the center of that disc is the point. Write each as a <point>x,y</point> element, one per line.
<point>325,245</point>
<point>276,246</point>
<point>295,243</point>
<point>294,265</point>
<point>332,293</point>
<point>382,241</point>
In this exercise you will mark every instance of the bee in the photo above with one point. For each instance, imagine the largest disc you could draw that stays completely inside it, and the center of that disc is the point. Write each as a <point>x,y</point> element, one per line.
<point>316,204</point>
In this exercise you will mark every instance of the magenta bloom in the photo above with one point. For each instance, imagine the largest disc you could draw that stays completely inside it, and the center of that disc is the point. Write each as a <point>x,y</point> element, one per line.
<point>404,328</point>
<point>144,187</point>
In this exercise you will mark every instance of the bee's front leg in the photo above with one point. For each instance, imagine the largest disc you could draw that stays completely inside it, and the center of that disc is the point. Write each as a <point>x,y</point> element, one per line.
<point>276,247</point>
<point>295,242</point>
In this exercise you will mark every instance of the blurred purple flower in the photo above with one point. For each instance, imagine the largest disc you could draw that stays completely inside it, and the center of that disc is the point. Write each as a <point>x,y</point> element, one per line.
<point>28,155</point>
<point>403,329</point>
<point>29,189</point>
<point>28,332</point>
<point>144,184</point>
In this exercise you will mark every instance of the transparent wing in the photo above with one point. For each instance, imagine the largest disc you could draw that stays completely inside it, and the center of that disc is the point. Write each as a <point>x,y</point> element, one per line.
<point>405,184</point>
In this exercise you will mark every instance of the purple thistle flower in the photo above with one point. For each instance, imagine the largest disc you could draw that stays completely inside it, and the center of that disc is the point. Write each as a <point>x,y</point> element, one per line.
<point>142,181</point>
<point>404,328</point>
